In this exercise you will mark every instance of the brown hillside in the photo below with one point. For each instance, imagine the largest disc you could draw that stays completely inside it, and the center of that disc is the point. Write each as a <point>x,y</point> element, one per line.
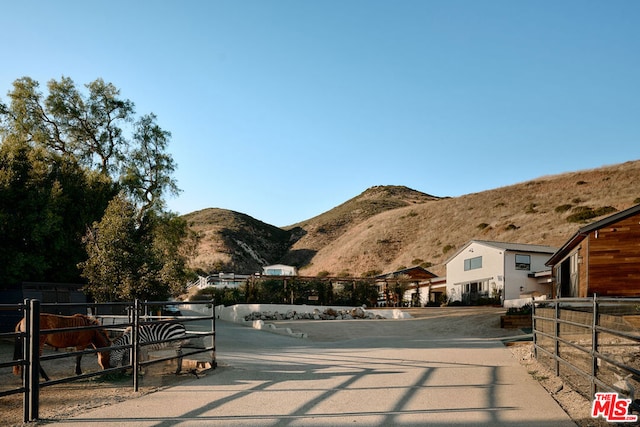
<point>319,232</point>
<point>233,242</point>
<point>386,228</point>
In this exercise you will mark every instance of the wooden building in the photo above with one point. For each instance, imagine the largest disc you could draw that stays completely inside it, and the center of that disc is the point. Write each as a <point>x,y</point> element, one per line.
<point>415,280</point>
<point>602,258</point>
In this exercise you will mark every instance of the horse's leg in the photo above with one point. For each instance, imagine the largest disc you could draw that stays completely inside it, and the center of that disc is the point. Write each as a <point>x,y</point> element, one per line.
<point>44,375</point>
<point>78,360</point>
<point>17,355</point>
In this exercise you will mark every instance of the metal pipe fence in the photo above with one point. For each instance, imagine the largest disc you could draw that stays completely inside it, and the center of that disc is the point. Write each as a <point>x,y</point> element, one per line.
<point>592,343</point>
<point>115,318</point>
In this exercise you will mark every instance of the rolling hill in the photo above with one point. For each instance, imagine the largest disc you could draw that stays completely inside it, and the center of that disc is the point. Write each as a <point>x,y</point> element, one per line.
<point>390,227</point>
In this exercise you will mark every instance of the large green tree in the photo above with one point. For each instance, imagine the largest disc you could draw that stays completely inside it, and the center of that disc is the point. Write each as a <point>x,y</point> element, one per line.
<point>43,213</point>
<point>63,156</point>
<point>128,260</point>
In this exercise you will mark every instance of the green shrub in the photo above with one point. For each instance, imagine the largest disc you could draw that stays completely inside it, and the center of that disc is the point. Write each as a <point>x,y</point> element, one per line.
<point>372,273</point>
<point>447,248</point>
<point>585,213</point>
<point>605,210</point>
<point>563,208</point>
<point>525,309</point>
<point>580,214</point>
<point>482,226</point>
<point>488,301</point>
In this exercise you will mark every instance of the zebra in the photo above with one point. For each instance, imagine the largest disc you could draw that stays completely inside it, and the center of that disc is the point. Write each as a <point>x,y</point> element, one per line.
<point>162,331</point>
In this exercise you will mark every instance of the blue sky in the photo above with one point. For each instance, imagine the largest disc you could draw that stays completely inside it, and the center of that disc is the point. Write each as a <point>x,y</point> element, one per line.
<point>284,109</point>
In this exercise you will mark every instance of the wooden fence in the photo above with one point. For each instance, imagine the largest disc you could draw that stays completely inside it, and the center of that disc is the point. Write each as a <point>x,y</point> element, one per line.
<point>592,343</point>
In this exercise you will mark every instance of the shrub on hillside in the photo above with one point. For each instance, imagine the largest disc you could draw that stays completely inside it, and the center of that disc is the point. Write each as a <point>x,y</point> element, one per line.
<point>563,208</point>
<point>585,213</point>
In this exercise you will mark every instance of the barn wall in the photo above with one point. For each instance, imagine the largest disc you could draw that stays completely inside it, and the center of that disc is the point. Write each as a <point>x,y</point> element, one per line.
<point>614,259</point>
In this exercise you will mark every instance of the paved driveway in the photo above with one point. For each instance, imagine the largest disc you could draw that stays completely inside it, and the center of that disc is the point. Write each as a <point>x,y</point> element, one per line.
<point>438,369</point>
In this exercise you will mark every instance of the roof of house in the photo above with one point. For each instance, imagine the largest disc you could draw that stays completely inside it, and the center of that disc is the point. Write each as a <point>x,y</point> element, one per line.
<point>507,247</point>
<point>278,266</point>
<point>584,232</point>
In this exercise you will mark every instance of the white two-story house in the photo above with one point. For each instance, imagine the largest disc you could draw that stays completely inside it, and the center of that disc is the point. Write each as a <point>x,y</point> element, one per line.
<point>505,271</point>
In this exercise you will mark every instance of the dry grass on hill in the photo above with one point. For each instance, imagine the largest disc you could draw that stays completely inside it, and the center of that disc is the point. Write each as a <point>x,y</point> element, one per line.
<point>388,227</point>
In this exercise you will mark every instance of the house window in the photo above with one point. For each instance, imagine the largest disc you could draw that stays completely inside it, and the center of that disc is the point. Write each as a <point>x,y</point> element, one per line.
<point>472,263</point>
<point>523,262</point>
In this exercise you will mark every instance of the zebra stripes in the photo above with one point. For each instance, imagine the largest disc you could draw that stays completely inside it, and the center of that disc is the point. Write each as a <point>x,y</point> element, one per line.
<point>161,331</point>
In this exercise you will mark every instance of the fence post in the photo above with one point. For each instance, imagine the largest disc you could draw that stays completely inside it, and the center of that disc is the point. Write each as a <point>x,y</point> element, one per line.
<point>214,364</point>
<point>533,329</point>
<point>556,345</point>
<point>594,346</point>
<point>32,371</point>
<point>135,340</point>
<point>25,356</point>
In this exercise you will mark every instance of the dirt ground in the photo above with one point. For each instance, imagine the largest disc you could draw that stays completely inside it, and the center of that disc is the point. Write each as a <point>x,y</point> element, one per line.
<point>68,399</point>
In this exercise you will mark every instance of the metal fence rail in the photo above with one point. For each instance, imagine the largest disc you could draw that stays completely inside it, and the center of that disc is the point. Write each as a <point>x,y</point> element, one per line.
<point>136,314</point>
<point>592,343</point>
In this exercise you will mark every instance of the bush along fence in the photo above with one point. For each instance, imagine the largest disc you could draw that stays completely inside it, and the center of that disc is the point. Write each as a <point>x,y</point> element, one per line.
<point>591,343</point>
<point>114,318</point>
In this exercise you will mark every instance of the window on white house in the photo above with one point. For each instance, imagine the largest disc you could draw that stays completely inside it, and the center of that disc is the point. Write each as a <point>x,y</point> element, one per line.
<point>523,262</point>
<point>472,263</point>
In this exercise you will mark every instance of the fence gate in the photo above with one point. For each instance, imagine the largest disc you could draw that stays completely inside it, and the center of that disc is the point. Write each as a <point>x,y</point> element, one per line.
<point>140,314</point>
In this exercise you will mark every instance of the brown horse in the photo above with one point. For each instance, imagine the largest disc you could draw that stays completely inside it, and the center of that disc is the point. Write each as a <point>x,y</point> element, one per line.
<point>80,339</point>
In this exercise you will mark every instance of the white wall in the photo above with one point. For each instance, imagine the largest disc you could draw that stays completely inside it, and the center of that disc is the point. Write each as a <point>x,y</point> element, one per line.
<point>520,278</point>
<point>492,269</point>
<point>499,267</point>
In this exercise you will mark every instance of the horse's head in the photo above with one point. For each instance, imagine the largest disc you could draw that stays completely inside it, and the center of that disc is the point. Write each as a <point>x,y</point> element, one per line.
<point>102,340</point>
<point>104,359</point>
